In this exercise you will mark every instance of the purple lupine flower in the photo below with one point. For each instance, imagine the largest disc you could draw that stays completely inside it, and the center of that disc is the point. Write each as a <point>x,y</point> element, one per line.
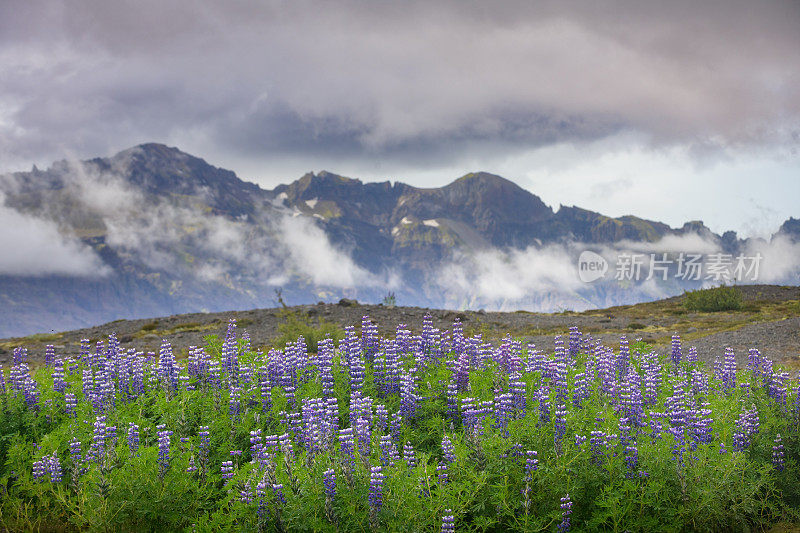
<point>205,444</point>
<point>246,494</point>
<point>778,455</point>
<point>261,494</point>
<point>797,402</point>
<point>424,489</point>
<point>97,449</point>
<point>163,450</point>
<point>329,482</point>
<point>360,417</point>
<point>566,511</point>
<point>192,466</point>
<point>504,411</point>
<point>133,438</point>
<point>597,444</point>
<point>20,355</point>
<point>776,383</point>
<point>40,469</point>
<point>54,468</point>
<point>531,462</point>
<point>624,357</point>
<point>574,342</point>
<point>256,446</point>
<point>325,363</point>
<point>676,350</point>
<point>409,455</point>
<point>448,522</point>
<point>75,452</point>
<point>277,491</point>
<point>560,370</point>
<point>408,394</point>
<point>347,446</point>
<point>729,370</point>
<point>49,355</point>
<point>691,356</point>
<point>543,396</point>
<point>701,425</point>
<point>448,450</point>
<point>516,387</point>
<point>442,473</point>
<point>393,367</point>
<point>560,426</point>
<point>230,353</point>
<point>747,425</point>
<point>235,403</point>
<point>70,404</point>
<point>754,362</point>
<point>237,454</point>
<point>531,466</point>
<point>30,389</point>
<point>403,338</point>
<point>632,460</point>
<point>452,400</point>
<point>396,426</point>
<point>314,425</point>
<point>59,385</point>
<point>227,469</point>
<point>376,478</point>
<point>582,389</point>
<point>167,371</point>
<point>370,340</point>
<point>381,417</point>
<point>389,454</point>
<point>652,377</point>
<point>461,372</point>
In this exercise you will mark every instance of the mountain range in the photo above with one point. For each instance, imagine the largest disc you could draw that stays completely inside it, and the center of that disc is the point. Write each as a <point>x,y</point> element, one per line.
<point>154,231</point>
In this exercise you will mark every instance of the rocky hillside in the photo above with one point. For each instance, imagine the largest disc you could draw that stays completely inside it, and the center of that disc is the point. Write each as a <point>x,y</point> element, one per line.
<point>153,231</point>
<point>769,321</point>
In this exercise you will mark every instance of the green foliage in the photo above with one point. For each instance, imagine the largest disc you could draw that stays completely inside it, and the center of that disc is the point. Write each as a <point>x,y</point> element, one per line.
<point>295,325</point>
<point>722,298</point>
<point>390,300</point>
<point>486,484</point>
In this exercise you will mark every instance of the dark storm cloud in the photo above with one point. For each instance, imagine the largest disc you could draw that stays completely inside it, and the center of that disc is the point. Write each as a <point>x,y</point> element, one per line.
<point>406,80</point>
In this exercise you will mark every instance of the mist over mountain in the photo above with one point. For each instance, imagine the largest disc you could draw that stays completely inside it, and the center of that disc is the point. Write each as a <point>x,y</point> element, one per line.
<point>154,231</point>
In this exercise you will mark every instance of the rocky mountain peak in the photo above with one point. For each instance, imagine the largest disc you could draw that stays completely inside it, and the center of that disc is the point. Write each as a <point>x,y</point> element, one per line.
<point>791,229</point>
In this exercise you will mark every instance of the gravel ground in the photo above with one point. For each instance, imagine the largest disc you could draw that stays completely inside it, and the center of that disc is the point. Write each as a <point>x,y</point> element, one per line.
<point>778,340</point>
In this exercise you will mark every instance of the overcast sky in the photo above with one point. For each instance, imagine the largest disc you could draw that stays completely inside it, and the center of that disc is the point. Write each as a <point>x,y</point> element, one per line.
<point>669,111</point>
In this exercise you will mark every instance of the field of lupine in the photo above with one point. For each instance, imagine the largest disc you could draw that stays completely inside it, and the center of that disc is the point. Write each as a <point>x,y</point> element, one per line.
<point>428,432</point>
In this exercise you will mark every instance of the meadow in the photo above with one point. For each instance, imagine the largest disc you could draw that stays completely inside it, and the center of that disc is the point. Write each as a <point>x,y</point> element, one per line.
<point>425,431</point>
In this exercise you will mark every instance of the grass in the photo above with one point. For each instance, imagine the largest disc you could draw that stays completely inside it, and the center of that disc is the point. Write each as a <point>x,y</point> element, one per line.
<point>36,338</point>
<point>713,300</point>
<point>297,325</point>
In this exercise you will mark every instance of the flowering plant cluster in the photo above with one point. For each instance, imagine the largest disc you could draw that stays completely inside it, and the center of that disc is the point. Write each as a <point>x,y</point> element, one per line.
<point>439,430</point>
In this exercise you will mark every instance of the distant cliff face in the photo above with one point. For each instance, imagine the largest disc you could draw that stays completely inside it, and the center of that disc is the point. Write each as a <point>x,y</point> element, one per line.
<point>166,232</point>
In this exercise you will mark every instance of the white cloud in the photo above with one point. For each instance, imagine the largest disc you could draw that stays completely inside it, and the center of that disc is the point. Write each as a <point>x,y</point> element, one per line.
<point>675,244</point>
<point>780,261</point>
<point>512,274</point>
<point>313,255</point>
<point>35,247</point>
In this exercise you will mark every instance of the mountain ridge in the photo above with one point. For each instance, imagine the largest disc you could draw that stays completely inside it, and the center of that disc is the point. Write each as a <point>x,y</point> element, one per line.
<point>177,234</point>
